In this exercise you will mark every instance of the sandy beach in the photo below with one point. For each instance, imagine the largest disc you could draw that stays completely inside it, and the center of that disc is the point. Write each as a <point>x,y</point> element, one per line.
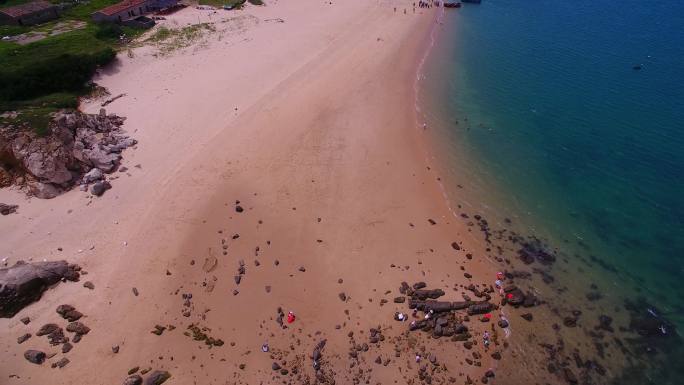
<point>303,115</point>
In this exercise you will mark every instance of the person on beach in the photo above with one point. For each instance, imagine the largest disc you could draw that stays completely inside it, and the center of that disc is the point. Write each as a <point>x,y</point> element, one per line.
<point>485,338</point>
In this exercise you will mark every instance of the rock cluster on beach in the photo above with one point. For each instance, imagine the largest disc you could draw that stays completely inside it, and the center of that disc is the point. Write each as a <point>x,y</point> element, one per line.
<point>79,149</point>
<point>24,283</point>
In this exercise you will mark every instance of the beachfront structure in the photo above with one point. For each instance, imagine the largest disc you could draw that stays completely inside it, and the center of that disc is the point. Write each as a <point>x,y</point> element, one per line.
<point>34,12</point>
<point>130,10</point>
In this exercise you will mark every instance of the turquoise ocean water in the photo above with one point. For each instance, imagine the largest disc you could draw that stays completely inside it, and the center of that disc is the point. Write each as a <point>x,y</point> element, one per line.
<point>542,117</point>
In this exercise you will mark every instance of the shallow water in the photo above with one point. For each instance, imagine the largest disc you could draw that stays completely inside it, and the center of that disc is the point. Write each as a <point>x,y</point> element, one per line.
<point>540,116</point>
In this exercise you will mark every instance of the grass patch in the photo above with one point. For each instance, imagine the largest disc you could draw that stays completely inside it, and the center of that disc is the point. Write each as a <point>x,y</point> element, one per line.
<point>221,3</point>
<point>32,118</point>
<point>169,40</point>
<point>12,30</point>
<point>256,2</point>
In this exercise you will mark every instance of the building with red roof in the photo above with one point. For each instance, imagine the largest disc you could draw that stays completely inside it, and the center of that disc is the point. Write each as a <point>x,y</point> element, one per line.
<point>34,12</point>
<point>130,9</point>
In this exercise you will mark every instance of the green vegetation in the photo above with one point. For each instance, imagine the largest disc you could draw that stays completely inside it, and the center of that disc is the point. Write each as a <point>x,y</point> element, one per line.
<point>220,3</point>
<point>39,78</point>
<point>169,40</point>
<point>256,2</point>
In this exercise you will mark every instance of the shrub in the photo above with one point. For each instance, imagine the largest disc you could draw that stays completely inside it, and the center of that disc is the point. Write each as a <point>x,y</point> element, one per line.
<point>63,73</point>
<point>109,31</point>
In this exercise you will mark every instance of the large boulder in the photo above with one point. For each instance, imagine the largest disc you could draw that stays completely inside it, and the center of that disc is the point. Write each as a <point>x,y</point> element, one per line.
<point>24,283</point>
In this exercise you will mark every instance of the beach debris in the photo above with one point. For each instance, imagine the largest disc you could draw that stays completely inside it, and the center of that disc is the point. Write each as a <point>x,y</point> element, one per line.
<point>94,175</point>
<point>35,356</point>
<point>290,317</point>
<point>24,283</point>
<point>108,101</point>
<point>6,209</point>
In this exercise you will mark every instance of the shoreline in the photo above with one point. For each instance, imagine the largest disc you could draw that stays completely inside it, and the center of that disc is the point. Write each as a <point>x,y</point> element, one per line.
<point>582,297</point>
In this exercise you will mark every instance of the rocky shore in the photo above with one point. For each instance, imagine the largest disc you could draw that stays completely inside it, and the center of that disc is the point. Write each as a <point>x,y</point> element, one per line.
<point>79,149</point>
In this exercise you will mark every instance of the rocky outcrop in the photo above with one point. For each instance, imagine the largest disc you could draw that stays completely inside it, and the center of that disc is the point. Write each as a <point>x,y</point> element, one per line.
<point>77,144</point>
<point>24,283</point>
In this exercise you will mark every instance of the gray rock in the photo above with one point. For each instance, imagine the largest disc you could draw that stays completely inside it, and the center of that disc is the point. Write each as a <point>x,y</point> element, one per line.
<point>43,190</point>
<point>157,377</point>
<point>93,175</point>
<point>133,380</point>
<point>52,163</point>
<point>24,283</point>
<point>34,356</point>
<point>100,187</point>
<point>8,209</point>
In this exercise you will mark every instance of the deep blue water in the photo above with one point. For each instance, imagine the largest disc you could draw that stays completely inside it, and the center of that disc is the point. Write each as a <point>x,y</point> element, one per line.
<point>545,115</point>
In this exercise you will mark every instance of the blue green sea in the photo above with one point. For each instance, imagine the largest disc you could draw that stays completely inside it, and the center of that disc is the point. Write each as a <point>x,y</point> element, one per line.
<point>567,117</point>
